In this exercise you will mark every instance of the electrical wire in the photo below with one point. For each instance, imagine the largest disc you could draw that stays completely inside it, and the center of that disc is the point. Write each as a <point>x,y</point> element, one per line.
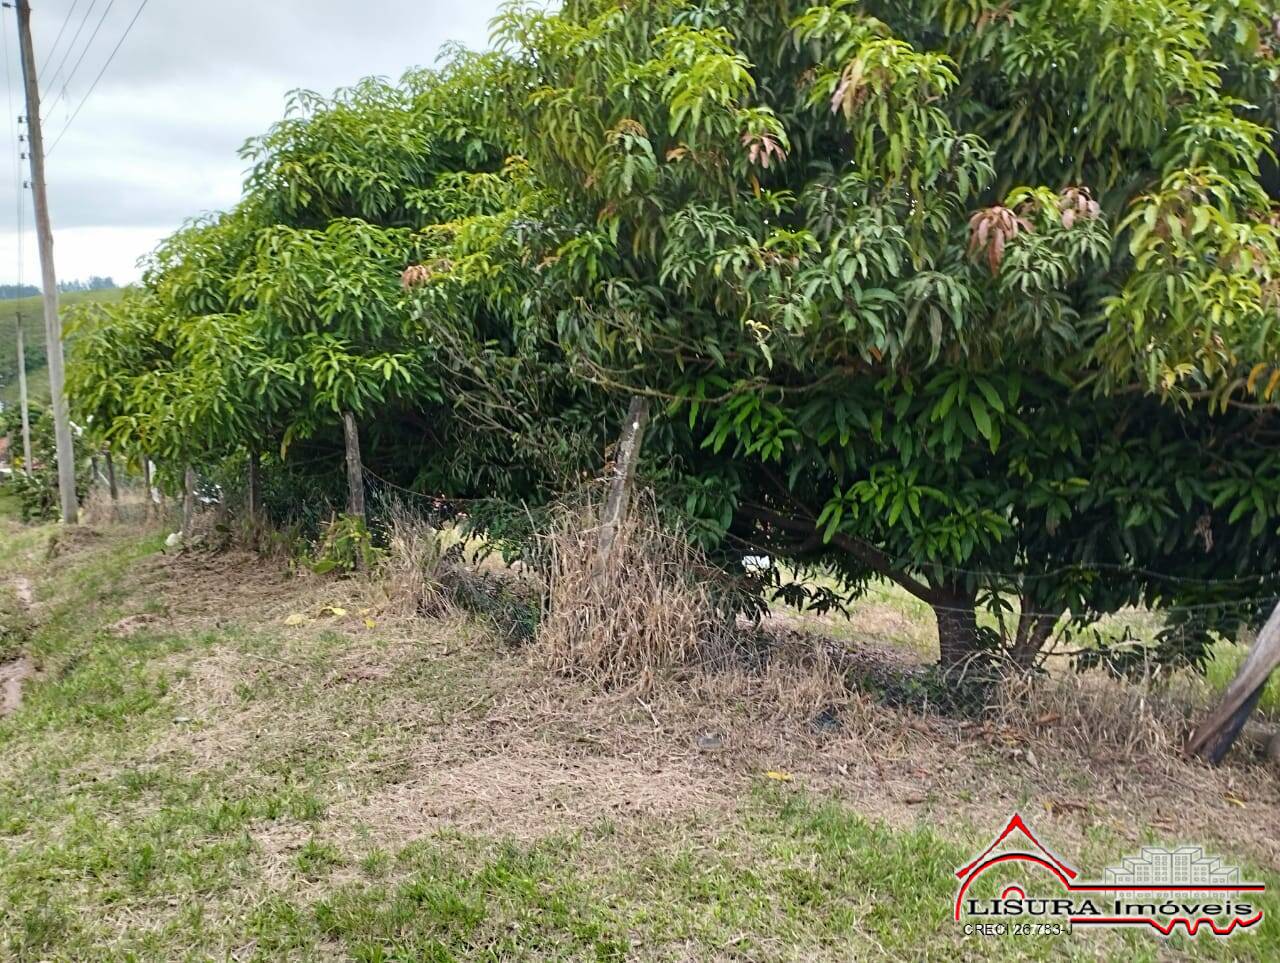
<point>101,73</point>
<point>71,46</point>
<point>18,189</point>
<point>62,93</point>
<point>62,30</point>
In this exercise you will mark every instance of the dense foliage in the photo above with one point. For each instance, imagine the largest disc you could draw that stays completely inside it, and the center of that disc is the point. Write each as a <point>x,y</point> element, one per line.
<point>978,298</point>
<point>37,489</point>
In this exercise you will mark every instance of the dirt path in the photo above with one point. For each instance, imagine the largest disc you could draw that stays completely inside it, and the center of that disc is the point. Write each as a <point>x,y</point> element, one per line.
<point>12,676</point>
<point>15,673</point>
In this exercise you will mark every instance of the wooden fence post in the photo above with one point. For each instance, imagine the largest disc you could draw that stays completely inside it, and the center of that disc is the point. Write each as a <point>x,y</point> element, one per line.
<point>1216,734</point>
<point>355,470</point>
<point>188,503</point>
<point>111,484</point>
<point>255,491</point>
<point>148,484</point>
<point>621,480</point>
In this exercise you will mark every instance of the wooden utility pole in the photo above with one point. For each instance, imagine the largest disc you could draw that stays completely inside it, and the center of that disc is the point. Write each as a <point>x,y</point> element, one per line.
<point>49,276</point>
<point>22,399</point>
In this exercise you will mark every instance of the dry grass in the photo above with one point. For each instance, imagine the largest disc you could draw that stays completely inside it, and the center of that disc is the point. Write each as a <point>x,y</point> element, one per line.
<point>300,737</point>
<point>650,609</point>
<point>134,507</point>
<point>412,571</point>
<point>1093,711</point>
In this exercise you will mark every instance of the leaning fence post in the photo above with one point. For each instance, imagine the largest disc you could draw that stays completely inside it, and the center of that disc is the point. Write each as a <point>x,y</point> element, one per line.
<point>1216,734</point>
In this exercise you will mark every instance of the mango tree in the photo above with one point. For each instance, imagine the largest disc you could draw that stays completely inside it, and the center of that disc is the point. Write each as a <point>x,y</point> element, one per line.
<point>973,298</point>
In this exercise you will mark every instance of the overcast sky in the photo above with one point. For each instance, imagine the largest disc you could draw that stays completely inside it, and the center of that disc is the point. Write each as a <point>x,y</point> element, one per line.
<point>156,142</point>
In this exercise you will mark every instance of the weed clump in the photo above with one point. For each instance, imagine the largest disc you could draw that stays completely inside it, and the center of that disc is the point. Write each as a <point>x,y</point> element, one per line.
<point>424,571</point>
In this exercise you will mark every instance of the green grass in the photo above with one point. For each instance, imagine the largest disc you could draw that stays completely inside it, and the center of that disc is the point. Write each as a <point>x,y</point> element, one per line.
<point>136,827</point>
<point>10,503</point>
<point>1222,669</point>
<point>32,310</point>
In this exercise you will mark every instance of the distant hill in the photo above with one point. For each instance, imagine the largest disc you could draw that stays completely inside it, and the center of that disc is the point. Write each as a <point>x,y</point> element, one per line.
<point>32,309</point>
<point>9,292</point>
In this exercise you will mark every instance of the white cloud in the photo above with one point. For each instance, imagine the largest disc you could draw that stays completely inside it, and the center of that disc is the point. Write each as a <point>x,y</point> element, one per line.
<point>158,140</point>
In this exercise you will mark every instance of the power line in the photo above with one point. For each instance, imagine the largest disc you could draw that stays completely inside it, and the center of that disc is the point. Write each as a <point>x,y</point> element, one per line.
<point>63,29</point>
<point>71,46</point>
<point>84,52</point>
<point>18,190</point>
<point>94,86</point>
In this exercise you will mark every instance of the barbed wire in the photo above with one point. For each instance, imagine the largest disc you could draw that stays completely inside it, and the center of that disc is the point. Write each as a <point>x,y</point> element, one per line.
<point>1225,605</point>
<point>1268,601</point>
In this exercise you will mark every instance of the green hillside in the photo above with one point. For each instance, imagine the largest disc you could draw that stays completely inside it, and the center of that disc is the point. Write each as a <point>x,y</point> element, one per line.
<point>33,315</point>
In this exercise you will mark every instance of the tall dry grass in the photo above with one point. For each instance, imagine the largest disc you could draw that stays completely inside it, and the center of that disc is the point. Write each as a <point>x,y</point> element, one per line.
<point>133,507</point>
<point>415,565</point>
<point>652,609</point>
<point>1094,713</point>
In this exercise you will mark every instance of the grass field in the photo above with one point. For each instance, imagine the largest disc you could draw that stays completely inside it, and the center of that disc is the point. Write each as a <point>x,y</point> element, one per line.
<point>32,310</point>
<point>221,759</point>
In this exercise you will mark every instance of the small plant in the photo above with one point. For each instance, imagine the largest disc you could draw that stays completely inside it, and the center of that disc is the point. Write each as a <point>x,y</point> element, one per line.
<point>347,547</point>
<point>315,859</point>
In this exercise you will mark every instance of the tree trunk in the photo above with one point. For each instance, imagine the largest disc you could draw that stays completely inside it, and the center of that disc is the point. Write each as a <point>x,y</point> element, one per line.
<point>1033,633</point>
<point>111,484</point>
<point>188,503</point>
<point>1215,735</point>
<point>957,632</point>
<point>355,470</point>
<point>621,480</point>
<point>161,507</point>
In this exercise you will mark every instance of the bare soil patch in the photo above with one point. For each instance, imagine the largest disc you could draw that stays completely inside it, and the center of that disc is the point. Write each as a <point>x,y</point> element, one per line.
<point>15,672</point>
<point>13,675</point>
